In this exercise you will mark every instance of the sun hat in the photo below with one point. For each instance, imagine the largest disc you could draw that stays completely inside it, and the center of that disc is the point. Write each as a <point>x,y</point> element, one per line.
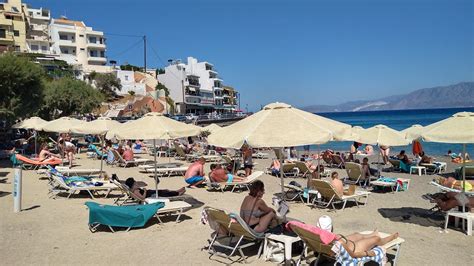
<point>325,223</point>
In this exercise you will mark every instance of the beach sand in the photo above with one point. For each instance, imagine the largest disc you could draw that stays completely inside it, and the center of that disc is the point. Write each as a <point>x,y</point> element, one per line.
<point>55,231</point>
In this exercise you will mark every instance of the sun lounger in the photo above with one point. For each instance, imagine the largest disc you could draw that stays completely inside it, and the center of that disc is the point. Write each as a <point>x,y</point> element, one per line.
<point>173,208</point>
<point>260,155</point>
<point>355,174</point>
<point>337,161</point>
<point>293,192</point>
<point>61,184</point>
<point>289,170</point>
<point>31,164</point>
<point>329,197</point>
<point>241,184</point>
<point>121,162</point>
<point>167,171</point>
<point>131,216</point>
<point>159,165</point>
<point>97,152</point>
<point>238,237</point>
<point>395,165</point>
<point>313,242</point>
<point>448,189</point>
<point>469,172</point>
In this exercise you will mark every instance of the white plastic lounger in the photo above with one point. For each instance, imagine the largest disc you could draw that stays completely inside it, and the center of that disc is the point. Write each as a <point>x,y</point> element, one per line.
<point>173,208</point>
<point>160,165</point>
<point>447,189</point>
<point>249,180</point>
<point>329,197</point>
<point>61,186</point>
<point>167,171</point>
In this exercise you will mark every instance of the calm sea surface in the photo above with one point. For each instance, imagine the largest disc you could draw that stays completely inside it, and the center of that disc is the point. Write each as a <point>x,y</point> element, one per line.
<point>399,120</point>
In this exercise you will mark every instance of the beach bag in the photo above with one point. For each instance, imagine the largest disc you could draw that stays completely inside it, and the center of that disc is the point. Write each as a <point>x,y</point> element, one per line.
<point>325,222</point>
<point>275,252</point>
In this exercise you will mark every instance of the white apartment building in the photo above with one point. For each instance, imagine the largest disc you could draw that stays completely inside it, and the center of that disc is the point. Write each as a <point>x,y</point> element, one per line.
<point>195,87</point>
<point>37,30</point>
<point>79,45</point>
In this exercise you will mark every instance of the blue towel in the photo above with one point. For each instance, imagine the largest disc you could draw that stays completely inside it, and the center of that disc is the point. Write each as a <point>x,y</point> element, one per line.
<point>343,257</point>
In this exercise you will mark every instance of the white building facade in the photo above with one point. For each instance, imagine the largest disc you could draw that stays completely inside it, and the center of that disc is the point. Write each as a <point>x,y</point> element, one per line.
<point>79,45</point>
<point>37,30</point>
<point>195,87</point>
<point>128,82</point>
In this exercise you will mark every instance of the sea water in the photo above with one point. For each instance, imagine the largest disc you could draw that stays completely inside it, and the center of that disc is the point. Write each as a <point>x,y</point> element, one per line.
<point>399,120</point>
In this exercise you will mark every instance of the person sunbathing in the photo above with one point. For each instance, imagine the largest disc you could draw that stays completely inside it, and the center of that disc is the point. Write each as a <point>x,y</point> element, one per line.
<point>366,170</point>
<point>451,182</point>
<point>138,190</point>
<point>128,153</point>
<point>404,158</point>
<point>425,158</point>
<point>369,150</point>
<point>275,167</point>
<point>361,245</point>
<point>220,175</point>
<point>254,211</point>
<point>46,156</point>
<point>447,201</point>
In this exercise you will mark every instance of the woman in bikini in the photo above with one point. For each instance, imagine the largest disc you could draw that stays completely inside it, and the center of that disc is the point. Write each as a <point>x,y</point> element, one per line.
<point>255,211</point>
<point>361,245</point>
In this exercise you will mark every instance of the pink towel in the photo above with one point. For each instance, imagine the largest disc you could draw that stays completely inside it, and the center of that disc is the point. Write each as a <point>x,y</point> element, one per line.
<point>325,236</point>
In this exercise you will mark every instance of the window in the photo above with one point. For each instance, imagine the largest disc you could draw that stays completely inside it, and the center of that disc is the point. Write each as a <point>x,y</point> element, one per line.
<point>34,47</point>
<point>126,77</point>
<point>31,13</point>
<point>82,49</point>
<point>102,53</point>
<point>17,48</point>
<point>63,37</point>
<point>81,35</point>
<point>93,39</point>
<point>16,33</point>
<point>2,33</point>
<point>44,48</point>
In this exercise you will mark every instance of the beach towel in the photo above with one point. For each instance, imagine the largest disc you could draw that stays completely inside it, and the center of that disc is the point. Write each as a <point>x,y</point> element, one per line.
<point>325,236</point>
<point>343,257</point>
<point>122,216</point>
<point>416,147</point>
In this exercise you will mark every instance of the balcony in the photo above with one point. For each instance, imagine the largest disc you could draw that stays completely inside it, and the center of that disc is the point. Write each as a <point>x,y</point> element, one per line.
<point>39,27</point>
<point>69,43</point>
<point>6,37</point>
<point>96,45</point>
<point>192,99</point>
<point>97,59</point>
<point>39,38</point>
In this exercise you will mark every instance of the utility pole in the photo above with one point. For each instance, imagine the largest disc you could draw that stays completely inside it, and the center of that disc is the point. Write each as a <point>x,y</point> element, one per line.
<point>144,52</point>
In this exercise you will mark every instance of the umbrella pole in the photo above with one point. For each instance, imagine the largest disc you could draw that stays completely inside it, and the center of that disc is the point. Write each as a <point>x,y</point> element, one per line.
<point>36,142</point>
<point>102,153</point>
<point>282,184</point>
<point>319,160</point>
<point>378,161</point>
<point>156,178</point>
<point>463,186</point>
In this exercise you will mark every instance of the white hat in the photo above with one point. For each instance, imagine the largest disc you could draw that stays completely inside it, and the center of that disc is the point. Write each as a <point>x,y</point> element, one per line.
<point>325,223</point>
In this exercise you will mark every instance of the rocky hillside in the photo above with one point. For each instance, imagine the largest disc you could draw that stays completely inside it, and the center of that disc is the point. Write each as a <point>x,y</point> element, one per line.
<point>458,95</point>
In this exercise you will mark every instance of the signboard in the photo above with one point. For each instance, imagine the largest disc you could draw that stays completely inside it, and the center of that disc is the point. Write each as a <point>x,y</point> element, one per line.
<point>17,189</point>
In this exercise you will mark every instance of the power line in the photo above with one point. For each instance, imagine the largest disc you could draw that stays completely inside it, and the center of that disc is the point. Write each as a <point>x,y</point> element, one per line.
<point>123,35</point>
<point>126,50</point>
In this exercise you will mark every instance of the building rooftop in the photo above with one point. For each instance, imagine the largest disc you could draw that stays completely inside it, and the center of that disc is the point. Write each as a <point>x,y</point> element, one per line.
<point>69,22</point>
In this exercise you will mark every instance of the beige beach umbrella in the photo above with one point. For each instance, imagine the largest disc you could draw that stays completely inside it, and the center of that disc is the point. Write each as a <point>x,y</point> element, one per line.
<point>382,135</point>
<point>34,122</point>
<point>154,126</point>
<point>458,128</point>
<point>212,128</point>
<point>413,132</point>
<point>63,125</point>
<point>279,125</point>
<point>100,126</point>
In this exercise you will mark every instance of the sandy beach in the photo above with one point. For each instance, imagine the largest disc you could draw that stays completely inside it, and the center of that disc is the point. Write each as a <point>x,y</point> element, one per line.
<point>55,231</point>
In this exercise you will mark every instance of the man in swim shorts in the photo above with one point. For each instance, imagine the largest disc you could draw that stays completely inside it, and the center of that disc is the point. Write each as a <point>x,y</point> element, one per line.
<point>194,176</point>
<point>219,174</point>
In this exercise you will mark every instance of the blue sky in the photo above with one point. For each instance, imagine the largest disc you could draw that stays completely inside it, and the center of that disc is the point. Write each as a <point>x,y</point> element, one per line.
<point>299,52</point>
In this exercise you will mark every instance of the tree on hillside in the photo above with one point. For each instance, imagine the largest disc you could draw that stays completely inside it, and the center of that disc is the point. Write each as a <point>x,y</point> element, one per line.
<point>21,86</point>
<point>160,86</point>
<point>107,83</point>
<point>131,68</point>
<point>66,96</point>
<point>169,101</point>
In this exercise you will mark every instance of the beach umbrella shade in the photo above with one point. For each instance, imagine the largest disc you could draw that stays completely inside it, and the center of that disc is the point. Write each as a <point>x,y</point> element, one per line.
<point>34,123</point>
<point>279,125</point>
<point>212,128</point>
<point>63,125</point>
<point>458,128</point>
<point>413,132</point>
<point>154,126</point>
<point>381,135</point>
<point>100,126</point>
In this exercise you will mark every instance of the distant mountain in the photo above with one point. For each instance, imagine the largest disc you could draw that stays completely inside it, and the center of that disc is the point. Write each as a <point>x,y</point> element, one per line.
<point>458,95</point>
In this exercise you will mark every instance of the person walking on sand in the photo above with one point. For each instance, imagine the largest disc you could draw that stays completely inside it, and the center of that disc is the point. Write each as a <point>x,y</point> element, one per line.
<point>194,176</point>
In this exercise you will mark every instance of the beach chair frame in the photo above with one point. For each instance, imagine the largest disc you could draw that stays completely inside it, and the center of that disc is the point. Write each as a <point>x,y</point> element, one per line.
<point>329,196</point>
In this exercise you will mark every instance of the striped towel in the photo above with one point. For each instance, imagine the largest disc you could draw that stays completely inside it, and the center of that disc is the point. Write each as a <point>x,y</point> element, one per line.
<point>343,257</point>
